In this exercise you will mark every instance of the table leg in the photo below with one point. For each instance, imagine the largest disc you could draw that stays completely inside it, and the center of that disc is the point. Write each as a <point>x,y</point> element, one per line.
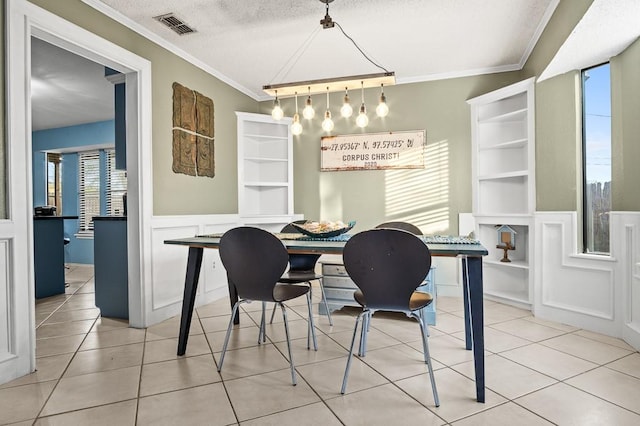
<point>474,318</point>
<point>194,262</point>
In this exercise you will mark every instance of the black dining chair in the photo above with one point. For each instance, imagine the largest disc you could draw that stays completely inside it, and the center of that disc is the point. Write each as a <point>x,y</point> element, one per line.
<point>255,260</point>
<point>388,265</point>
<point>406,226</point>
<point>302,269</point>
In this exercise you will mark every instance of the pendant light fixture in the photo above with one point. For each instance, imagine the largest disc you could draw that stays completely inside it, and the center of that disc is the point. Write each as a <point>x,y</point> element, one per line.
<point>347,110</point>
<point>330,84</point>
<point>308,112</point>
<point>382,109</point>
<point>277,112</point>
<point>327,124</point>
<point>296,127</point>
<point>362,120</point>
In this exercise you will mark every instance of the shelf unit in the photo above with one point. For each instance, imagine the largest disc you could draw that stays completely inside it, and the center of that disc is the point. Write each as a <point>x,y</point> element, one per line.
<point>503,186</point>
<point>265,170</point>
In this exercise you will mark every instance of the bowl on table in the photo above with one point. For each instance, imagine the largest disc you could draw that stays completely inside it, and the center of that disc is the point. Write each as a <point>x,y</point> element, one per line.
<point>324,229</point>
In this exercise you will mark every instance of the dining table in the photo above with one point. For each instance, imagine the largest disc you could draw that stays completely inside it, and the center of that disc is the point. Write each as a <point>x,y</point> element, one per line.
<point>470,252</point>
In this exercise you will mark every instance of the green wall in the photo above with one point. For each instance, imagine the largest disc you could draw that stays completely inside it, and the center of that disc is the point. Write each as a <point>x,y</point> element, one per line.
<point>174,194</point>
<point>625,112</point>
<point>558,121</point>
<point>436,194</point>
<point>431,197</point>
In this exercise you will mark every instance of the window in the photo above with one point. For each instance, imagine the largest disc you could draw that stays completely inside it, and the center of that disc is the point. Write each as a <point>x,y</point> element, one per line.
<point>89,189</point>
<point>116,186</point>
<point>596,158</point>
<point>54,181</point>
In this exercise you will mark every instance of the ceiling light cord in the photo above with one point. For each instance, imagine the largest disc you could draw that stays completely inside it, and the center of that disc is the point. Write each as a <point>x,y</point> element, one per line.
<point>359,49</point>
<point>295,57</point>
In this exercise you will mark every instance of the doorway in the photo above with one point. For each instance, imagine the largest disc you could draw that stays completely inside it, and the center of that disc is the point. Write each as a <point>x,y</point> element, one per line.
<point>25,20</point>
<point>73,134</point>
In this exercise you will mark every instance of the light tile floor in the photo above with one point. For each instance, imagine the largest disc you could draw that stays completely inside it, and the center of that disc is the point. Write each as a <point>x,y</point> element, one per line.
<point>93,370</point>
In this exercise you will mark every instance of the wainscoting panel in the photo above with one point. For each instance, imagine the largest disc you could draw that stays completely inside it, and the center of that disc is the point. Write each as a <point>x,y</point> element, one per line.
<point>573,288</point>
<point>5,292</point>
<point>169,263</point>
<point>625,237</point>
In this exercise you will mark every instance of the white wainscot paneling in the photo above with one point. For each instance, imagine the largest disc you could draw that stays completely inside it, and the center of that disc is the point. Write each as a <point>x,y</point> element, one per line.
<point>448,276</point>
<point>625,238</point>
<point>5,291</point>
<point>169,262</point>
<point>572,288</point>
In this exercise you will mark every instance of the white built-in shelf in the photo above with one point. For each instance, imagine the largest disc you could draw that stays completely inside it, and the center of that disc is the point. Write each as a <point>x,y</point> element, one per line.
<point>503,186</point>
<point>518,143</point>
<point>517,115</point>
<point>278,184</point>
<point>507,175</point>
<point>513,264</point>
<point>266,160</point>
<point>265,137</point>
<point>265,168</point>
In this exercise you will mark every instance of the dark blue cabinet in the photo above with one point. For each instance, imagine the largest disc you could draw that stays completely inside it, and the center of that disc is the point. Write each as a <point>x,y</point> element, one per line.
<point>48,255</point>
<point>111,266</point>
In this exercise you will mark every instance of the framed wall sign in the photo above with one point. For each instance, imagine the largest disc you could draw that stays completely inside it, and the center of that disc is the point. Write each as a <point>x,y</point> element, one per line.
<point>391,150</point>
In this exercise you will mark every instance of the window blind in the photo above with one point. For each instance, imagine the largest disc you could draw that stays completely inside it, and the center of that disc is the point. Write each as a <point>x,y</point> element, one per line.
<point>116,185</point>
<point>89,189</point>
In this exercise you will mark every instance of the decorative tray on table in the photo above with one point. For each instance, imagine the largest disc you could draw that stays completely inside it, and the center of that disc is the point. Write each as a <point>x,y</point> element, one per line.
<point>324,229</point>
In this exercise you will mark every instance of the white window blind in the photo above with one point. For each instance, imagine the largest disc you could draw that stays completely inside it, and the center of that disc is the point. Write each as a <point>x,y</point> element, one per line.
<point>89,186</point>
<point>116,185</point>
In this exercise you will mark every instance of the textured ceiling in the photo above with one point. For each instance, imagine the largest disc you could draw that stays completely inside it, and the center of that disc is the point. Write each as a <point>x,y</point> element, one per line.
<point>249,43</point>
<point>252,43</point>
<point>67,89</point>
<point>607,29</point>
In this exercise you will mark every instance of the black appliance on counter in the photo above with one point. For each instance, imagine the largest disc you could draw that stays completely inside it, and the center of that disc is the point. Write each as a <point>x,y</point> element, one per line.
<point>45,211</point>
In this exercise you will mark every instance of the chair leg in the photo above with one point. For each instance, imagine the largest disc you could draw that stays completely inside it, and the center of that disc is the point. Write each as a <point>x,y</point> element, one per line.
<point>353,340</point>
<point>366,325</point>
<point>427,359</point>
<point>262,334</point>
<point>226,339</point>
<point>286,332</point>
<point>273,313</point>
<point>326,304</point>
<point>311,326</point>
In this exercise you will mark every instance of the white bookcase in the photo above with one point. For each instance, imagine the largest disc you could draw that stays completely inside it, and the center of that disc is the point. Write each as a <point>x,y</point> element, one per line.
<point>503,186</point>
<point>265,170</point>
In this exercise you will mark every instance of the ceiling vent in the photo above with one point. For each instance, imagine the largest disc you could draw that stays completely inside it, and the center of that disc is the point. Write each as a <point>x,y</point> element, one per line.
<point>175,24</point>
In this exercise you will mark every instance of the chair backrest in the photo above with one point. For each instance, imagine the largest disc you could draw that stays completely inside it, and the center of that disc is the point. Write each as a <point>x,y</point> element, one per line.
<point>254,259</point>
<point>300,262</point>
<point>387,265</point>
<point>406,226</point>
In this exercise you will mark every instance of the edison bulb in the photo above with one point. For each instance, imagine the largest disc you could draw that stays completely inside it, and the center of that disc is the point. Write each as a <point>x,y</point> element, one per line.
<point>382,109</point>
<point>362,120</point>
<point>296,127</point>
<point>346,111</point>
<point>277,112</point>
<point>327,124</point>
<point>308,111</point>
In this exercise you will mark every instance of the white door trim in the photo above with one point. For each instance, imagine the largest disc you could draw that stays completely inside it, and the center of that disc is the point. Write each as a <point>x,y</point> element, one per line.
<point>25,20</point>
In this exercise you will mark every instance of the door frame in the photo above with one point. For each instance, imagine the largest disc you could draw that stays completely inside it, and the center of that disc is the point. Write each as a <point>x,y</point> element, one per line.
<point>24,20</point>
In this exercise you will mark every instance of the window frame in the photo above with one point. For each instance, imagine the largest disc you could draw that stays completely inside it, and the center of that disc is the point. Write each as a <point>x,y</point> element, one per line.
<point>85,224</point>
<point>585,185</point>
